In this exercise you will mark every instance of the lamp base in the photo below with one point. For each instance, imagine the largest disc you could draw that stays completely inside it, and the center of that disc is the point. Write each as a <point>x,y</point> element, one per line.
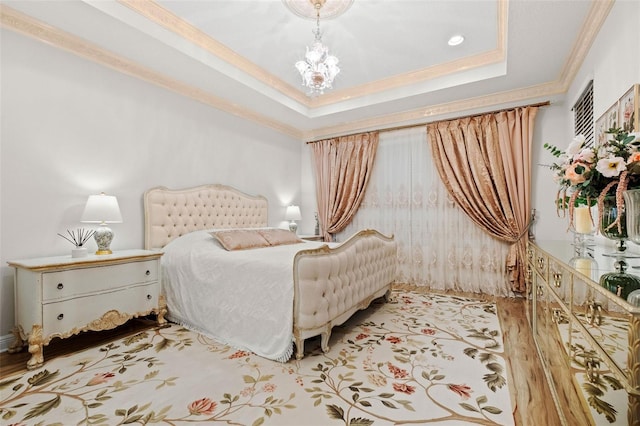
<point>293,227</point>
<point>103,236</point>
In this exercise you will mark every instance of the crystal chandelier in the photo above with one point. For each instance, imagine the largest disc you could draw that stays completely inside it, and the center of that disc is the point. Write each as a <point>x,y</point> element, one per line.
<point>318,68</point>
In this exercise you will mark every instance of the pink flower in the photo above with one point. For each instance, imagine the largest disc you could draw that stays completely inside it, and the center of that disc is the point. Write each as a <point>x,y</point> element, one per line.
<point>248,391</point>
<point>202,406</point>
<point>404,388</point>
<point>361,336</point>
<point>100,378</point>
<point>463,390</point>
<point>239,354</point>
<point>574,176</point>
<point>635,156</point>
<point>269,387</point>
<point>398,373</point>
<point>394,339</point>
<point>428,331</point>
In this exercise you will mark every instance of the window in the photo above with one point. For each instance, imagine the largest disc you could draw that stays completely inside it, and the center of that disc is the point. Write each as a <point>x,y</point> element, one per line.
<point>583,114</point>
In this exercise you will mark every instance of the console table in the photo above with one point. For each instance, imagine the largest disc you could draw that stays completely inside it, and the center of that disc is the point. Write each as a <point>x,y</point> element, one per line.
<point>588,339</point>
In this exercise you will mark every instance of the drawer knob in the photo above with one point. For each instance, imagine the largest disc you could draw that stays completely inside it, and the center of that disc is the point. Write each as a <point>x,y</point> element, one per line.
<point>558,317</point>
<point>148,272</point>
<point>60,286</point>
<point>149,297</point>
<point>593,369</point>
<point>594,313</point>
<point>60,316</point>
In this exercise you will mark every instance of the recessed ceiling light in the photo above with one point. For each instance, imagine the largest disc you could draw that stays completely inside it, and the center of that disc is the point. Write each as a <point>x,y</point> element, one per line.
<point>456,40</point>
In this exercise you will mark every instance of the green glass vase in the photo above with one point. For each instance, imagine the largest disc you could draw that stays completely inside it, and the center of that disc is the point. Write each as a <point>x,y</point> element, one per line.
<point>609,215</point>
<point>620,283</point>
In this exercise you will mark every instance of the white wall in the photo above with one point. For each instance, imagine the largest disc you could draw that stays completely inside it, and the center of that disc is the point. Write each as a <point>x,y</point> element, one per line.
<point>613,63</point>
<point>71,128</point>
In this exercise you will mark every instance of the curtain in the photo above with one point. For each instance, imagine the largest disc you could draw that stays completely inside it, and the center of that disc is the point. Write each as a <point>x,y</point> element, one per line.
<point>485,165</point>
<point>438,245</point>
<point>343,166</point>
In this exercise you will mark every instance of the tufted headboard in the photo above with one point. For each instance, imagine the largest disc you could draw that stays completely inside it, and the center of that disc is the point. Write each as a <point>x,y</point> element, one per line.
<point>169,213</point>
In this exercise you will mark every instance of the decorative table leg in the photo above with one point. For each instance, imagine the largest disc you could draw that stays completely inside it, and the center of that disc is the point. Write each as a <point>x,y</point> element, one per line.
<point>36,345</point>
<point>19,340</point>
<point>162,309</point>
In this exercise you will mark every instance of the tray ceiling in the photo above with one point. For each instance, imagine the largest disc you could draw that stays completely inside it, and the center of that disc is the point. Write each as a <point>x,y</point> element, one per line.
<point>396,65</point>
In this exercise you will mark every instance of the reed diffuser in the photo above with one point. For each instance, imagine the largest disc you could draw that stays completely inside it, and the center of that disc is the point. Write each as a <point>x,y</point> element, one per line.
<point>78,237</point>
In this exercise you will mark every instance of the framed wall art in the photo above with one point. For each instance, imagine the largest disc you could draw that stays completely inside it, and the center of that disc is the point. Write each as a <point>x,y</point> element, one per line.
<point>628,109</point>
<point>606,121</point>
<point>625,114</point>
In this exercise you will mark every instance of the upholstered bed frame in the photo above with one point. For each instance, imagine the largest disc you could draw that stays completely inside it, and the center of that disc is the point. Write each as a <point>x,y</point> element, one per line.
<point>331,284</point>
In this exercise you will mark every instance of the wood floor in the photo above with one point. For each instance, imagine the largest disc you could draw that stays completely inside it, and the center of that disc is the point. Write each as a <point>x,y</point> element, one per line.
<point>530,396</point>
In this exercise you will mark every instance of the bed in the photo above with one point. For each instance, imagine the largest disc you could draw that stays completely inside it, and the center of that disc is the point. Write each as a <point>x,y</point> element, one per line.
<point>266,299</point>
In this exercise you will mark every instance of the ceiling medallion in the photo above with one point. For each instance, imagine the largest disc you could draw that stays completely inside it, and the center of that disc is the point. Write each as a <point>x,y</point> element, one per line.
<point>307,8</point>
<point>318,69</point>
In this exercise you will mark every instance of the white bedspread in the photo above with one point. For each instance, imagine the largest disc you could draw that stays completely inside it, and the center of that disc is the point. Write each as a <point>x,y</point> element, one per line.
<point>242,298</point>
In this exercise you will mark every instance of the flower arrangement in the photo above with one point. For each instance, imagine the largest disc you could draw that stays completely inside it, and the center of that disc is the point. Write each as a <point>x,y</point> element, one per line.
<point>78,237</point>
<point>587,173</point>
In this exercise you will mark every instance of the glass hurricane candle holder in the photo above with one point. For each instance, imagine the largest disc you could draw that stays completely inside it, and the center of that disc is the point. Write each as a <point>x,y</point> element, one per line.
<point>584,262</point>
<point>583,225</point>
<point>632,206</point>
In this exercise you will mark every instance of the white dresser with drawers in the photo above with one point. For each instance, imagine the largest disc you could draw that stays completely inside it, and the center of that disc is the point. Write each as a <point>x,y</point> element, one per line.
<point>62,296</point>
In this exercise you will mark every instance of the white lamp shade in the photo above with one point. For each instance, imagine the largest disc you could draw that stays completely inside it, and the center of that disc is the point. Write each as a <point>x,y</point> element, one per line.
<point>293,213</point>
<point>101,209</point>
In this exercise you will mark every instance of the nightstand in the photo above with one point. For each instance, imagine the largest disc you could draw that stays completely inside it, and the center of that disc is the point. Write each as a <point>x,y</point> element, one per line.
<point>311,237</point>
<point>62,296</point>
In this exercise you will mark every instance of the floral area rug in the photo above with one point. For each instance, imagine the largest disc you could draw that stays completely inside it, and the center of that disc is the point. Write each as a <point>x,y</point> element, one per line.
<point>419,359</point>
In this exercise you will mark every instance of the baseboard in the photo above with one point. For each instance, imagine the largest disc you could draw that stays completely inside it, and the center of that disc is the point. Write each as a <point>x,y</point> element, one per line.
<point>5,342</point>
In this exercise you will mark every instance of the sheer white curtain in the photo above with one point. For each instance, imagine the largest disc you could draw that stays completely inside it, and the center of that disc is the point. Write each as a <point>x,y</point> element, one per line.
<point>438,246</point>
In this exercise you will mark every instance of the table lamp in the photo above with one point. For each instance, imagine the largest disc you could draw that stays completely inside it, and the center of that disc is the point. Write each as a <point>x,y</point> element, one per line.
<point>102,209</point>
<point>293,214</point>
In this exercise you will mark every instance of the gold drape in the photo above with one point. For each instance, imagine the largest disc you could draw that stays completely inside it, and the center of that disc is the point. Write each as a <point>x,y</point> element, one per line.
<point>343,166</point>
<point>485,164</point>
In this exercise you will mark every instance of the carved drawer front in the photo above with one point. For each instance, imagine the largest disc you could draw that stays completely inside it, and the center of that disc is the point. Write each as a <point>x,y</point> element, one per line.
<point>541,309</point>
<point>560,281</point>
<point>531,252</point>
<point>75,282</point>
<point>71,316</point>
<point>598,314</point>
<point>600,387</point>
<point>541,262</point>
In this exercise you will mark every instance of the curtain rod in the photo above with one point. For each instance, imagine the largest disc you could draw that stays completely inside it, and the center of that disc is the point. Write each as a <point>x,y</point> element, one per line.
<point>408,126</point>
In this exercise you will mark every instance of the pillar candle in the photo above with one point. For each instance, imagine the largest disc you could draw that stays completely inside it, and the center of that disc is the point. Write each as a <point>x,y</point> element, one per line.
<point>583,266</point>
<point>582,220</point>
